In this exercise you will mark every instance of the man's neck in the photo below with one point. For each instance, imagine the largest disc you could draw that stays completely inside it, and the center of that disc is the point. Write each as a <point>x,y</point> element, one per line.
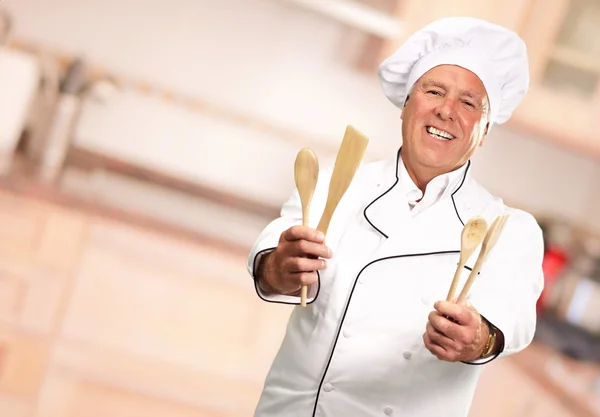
<point>421,177</point>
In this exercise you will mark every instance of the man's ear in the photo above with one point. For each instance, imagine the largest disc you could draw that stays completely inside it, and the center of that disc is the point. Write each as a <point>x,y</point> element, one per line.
<point>402,112</point>
<point>484,134</point>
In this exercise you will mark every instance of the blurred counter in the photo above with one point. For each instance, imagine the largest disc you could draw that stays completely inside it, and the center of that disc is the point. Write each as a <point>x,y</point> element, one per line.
<point>538,382</point>
<point>574,384</point>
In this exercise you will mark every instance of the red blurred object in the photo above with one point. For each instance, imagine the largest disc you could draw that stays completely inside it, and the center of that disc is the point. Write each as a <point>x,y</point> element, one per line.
<point>555,261</point>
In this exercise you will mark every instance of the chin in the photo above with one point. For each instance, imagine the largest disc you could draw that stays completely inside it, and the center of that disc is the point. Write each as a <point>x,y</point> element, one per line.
<point>431,159</point>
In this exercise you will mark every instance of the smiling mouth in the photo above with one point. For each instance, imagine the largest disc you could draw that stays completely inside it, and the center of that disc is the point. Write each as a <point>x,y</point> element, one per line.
<point>438,134</point>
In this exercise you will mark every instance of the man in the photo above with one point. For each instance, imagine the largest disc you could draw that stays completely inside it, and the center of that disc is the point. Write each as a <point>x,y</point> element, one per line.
<point>377,337</point>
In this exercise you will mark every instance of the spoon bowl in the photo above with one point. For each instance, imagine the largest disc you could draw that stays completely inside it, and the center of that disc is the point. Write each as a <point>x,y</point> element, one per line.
<point>488,244</point>
<point>471,237</point>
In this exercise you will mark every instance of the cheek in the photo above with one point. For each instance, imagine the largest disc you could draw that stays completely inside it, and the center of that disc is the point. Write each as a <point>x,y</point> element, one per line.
<point>472,127</point>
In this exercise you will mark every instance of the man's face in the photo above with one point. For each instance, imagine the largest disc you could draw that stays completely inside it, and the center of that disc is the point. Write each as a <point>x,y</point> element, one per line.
<point>444,120</point>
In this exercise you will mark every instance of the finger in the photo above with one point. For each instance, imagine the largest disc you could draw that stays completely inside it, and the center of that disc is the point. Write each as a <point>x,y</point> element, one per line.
<point>443,325</point>
<point>439,338</point>
<point>297,264</point>
<point>303,233</point>
<point>306,248</point>
<point>305,278</point>
<point>434,348</point>
<point>457,312</point>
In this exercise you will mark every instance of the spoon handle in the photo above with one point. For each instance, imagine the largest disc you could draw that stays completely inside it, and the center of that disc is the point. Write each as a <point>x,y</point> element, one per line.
<point>462,298</point>
<point>455,280</point>
<point>306,173</point>
<point>304,288</point>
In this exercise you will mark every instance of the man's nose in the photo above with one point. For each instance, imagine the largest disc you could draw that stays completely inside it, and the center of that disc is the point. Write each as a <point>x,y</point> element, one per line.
<point>447,109</point>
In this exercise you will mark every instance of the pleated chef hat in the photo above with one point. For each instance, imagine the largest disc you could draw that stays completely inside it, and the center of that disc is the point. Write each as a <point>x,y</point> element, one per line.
<point>495,54</point>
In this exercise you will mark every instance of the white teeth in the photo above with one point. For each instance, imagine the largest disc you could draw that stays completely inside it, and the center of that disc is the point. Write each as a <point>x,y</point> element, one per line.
<point>439,134</point>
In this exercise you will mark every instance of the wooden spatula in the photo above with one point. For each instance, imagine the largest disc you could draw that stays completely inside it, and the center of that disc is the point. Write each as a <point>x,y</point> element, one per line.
<point>306,172</point>
<point>471,237</point>
<point>347,162</point>
<point>488,244</point>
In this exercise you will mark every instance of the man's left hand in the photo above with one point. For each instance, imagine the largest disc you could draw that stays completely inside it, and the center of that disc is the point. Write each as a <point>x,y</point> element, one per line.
<point>455,332</point>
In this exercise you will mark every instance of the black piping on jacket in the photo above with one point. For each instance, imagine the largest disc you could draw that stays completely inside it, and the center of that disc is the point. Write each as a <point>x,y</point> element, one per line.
<point>396,182</point>
<point>341,323</point>
<point>258,256</point>
<point>384,193</point>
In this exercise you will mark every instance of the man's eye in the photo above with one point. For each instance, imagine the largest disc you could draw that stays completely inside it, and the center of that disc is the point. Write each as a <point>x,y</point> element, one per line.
<point>468,103</point>
<point>437,93</point>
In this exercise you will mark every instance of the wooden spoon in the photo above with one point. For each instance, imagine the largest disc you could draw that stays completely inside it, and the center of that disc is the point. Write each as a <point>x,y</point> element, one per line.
<point>347,162</point>
<point>488,244</point>
<point>471,236</point>
<point>306,172</point>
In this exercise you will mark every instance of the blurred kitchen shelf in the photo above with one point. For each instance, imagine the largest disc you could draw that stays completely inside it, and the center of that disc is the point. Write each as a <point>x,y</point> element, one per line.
<point>106,187</point>
<point>356,14</point>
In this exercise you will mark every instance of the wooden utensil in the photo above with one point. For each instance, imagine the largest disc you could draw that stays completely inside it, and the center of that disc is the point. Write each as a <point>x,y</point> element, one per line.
<point>347,162</point>
<point>306,172</point>
<point>488,244</point>
<point>471,237</point>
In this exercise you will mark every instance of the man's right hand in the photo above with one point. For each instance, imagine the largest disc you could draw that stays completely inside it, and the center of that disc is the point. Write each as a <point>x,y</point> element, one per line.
<point>294,262</point>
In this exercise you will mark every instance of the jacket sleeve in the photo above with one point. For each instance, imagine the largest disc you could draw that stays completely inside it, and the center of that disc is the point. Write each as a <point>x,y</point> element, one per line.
<point>291,215</point>
<point>511,281</point>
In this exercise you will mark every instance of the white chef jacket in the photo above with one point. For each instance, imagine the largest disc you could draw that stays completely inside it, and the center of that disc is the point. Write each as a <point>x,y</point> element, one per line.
<point>357,348</point>
<point>438,187</point>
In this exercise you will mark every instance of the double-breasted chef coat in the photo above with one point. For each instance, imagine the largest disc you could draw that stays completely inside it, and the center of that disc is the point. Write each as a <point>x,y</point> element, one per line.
<point>357,349</point>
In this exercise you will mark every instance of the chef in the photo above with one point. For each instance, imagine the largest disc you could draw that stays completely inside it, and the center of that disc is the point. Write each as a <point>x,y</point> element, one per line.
<point>377,337</point>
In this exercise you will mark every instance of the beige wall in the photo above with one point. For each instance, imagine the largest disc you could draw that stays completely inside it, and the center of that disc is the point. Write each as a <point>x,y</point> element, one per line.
<point>265,58</point>
<point>301,80</point>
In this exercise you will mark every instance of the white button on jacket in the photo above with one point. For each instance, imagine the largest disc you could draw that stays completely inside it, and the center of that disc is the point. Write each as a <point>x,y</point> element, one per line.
<point>406,262</point>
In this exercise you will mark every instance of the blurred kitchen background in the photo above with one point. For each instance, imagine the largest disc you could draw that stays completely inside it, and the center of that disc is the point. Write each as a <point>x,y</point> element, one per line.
<point>144,144</point>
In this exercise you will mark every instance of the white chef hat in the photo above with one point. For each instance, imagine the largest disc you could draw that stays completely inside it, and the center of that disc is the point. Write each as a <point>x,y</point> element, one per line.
<point>495,54</point>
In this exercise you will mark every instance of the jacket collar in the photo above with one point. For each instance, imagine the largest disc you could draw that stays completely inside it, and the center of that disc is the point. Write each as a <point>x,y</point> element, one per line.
<point>438,188</point>
<point>464,201</point>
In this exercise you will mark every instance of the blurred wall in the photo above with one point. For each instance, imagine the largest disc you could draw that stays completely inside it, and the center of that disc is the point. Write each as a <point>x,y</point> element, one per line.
<point>280,65</point>
<point>267,58</point>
